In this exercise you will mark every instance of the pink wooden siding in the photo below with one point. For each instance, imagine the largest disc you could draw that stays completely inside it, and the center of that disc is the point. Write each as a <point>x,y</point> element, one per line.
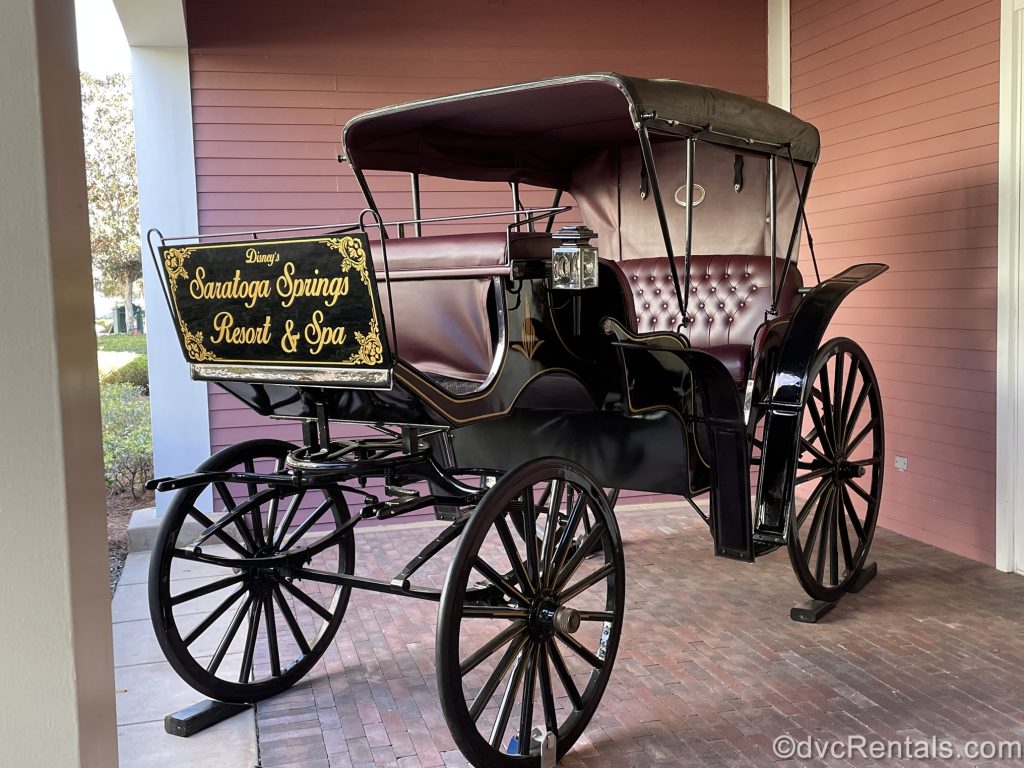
<point>905,94</point>
<point>274,82</point>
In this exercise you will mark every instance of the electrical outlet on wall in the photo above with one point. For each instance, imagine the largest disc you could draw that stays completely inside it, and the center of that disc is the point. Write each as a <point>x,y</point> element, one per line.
<point>901,463</point>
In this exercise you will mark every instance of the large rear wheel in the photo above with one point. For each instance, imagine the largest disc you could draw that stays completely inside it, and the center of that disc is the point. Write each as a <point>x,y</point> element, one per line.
<point>533,655</point>
<point>838,478</point>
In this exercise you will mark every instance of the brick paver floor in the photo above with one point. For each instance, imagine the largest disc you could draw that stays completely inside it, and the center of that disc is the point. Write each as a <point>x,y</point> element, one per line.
<point>710,668</point>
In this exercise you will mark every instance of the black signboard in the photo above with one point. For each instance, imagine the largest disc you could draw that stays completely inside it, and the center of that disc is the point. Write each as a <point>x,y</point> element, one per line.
<point>302,310</point>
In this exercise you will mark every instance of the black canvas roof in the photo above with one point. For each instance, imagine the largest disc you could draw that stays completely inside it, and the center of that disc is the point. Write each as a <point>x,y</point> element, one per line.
<point>537,132</point>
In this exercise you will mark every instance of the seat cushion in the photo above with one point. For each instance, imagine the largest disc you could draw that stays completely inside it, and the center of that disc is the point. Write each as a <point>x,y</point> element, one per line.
<point>729,296</point>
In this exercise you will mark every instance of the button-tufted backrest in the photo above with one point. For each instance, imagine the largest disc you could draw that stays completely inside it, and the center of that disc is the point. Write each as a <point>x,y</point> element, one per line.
<point>729,296</point>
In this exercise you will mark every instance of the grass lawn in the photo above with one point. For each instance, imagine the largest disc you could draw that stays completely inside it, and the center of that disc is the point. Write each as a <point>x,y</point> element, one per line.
<point>121,342</point>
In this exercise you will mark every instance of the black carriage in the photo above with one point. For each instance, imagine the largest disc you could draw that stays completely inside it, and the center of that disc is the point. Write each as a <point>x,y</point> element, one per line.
<point>514,376</point>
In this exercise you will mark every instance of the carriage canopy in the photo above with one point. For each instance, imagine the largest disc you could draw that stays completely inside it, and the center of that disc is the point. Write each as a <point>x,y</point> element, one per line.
<point>538,132</point>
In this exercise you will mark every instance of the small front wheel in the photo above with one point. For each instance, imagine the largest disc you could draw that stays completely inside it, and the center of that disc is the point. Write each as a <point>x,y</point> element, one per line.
<point>529,625</point>
<point>233,624</point>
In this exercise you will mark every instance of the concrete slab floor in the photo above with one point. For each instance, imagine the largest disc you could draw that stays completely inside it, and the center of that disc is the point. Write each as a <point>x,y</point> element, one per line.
<point>147,689</point>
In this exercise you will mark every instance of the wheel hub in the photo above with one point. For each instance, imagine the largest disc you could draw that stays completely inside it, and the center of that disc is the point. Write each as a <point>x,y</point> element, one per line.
<point>846,470</point>
<point>548,617</point>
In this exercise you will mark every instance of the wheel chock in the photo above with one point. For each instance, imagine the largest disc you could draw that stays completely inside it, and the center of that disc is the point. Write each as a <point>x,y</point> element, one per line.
<point>200,716</point>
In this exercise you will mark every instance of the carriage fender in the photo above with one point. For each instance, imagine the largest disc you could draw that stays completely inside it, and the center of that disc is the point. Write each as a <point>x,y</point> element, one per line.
<point>787,391</point>
<point>720,409</point>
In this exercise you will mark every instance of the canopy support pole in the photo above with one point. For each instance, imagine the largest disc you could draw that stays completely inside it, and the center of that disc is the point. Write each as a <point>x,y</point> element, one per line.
<point>368,197</point>
<point>416,213</point>
<point>773,250</point>
<point>682,298</point>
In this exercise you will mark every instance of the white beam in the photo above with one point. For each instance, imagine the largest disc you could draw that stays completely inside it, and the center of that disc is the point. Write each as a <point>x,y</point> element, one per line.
<point>1009,333</point>
<point>153,23</point>
<point>56,665</point>
<point>779,54</point>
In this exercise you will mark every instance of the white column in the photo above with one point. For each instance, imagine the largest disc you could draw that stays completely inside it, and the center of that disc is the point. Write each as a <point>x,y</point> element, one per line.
<point>56,662</point>
<point>1010,334</point>
<point>167,199</point>
<point>778,53</point>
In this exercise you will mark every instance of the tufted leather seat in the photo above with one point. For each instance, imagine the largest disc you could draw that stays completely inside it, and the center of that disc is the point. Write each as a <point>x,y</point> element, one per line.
<point>729,296</point>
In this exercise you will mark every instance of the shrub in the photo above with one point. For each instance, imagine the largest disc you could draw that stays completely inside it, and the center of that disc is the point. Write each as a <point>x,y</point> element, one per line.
<point>127,438</point>
<point>135,373</point>
<point>121,342</point>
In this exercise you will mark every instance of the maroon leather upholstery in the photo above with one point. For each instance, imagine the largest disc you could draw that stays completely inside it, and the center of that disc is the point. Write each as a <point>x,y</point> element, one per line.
<point>440,286</point>
<point>729,296</point>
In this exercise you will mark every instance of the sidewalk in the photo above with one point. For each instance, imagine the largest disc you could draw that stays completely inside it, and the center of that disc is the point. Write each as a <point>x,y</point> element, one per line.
<point>147,689</point>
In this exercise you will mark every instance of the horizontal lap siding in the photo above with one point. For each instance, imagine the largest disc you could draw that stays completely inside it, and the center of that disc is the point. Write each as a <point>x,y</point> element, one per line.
<point>905,94</point>
<point>274,82</point>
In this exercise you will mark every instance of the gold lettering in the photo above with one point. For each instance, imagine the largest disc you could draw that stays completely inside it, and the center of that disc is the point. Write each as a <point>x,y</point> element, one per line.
<point>249,290</point>
<point>318,335</point>
<point>252,256</point>
<point>290,339</point>
<point>290,288</point>
<point>228,333</point>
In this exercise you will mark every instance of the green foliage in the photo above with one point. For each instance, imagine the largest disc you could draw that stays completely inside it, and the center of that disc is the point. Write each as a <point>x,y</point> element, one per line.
<point>127,438</point>
<point>134,373</point>
<point>121,342</point>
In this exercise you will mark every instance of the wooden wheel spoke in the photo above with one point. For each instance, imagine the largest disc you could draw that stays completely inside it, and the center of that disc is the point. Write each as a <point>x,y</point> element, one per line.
<point>816,418</point>
<point>861,492</point>
<point>289,516</point>
<point>816,521</point>
<point>833,543</point>
<point>861,435</point>
<point>530,537</point>
<point>550,529</point>
<point>586,547</point>
<point>497,675</point>
<point>249,653</point>
<point>811,501</point>
<point>240,526</point>
<point>206,589</point>
<point>844,535</point>
<point>512,553</point>
<point>492,646</point>
<point>851,382</point>
<point>547,697</point>
<point>289,618</point>
<point>596,615</point>
<point>837,397</point>
<point>212,617</point>
<point>213,529</point>
<point>858,527</point>
<point>306,600</point>
<point>862,398</point>
<point>526,708</point>
<point>308,523</point>
<point>568,684</point>
<point>275,503</point>
<point>508,699</point>
<point>806,443</point>
<point>500,582</point>
<point>572,524</point>
<point>823,537</point>
<point>576,647</point>
<point>801,479</point>
<point>494,612</point>
<point>271,624</point>
<point>586,583</point>
<point>827,411</point>
<point>229,635</point>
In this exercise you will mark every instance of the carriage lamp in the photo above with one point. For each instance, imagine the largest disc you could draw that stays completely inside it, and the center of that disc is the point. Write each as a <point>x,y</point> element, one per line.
<point>574,261</point>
